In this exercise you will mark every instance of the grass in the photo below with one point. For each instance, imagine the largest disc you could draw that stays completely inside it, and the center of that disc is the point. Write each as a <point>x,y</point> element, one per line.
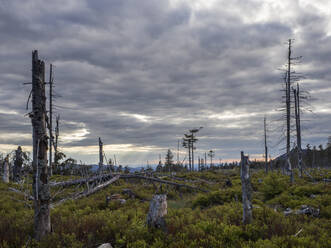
<point>194,219</point>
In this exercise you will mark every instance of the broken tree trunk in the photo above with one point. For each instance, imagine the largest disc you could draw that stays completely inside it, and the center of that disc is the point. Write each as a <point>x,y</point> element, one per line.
<point>157,211</point>
<point>88,192</point>
<point>5,176</point>
<point>246,190</point>
<point>41,194</point>
<point>79,181</point>
<point>100,154</point>
<point>162,181</point>
<point>17,171</point>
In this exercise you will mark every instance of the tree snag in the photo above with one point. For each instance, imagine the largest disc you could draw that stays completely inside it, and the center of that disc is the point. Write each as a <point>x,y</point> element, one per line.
<point>17,171</point>
<point>5,176</point>
<point>40,187</point>
<point>246,190</point>
<point>157,211</point>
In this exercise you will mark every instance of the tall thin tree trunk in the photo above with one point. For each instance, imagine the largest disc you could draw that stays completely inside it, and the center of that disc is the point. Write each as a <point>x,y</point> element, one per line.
<point>298,127</point>
<point>265,145</point>
<point>42,223</point>
<point>288,111</point>
<point>246,190</point>
<point>50,118</point>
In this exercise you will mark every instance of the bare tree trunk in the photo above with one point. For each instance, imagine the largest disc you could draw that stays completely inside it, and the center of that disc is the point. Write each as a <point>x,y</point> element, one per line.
<point>5,176</point>
<point>42,223</point>
<point>18,164</point>
<point>298,127</point>
<point>265,145</point>
<point>157,211</point>
<point>100,154</point>
<point>246,190</point>
<point>50,118</point>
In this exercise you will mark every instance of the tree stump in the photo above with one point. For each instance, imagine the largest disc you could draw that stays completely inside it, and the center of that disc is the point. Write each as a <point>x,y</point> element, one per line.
<point>5,176</point>
<point>157,211</point>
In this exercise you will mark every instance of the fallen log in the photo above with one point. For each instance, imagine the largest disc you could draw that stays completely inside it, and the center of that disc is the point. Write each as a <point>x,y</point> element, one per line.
<point>128,176</point>
<point>27,196</point>
<point>123,176</point>
<point>87,193</point>
<point>79,181</point>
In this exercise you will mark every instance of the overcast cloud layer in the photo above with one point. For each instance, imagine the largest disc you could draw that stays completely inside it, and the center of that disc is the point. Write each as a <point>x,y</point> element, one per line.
<point>139,74</point>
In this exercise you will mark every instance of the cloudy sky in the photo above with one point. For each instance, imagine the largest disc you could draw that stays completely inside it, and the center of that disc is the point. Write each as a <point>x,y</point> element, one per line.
<point>139,74</point>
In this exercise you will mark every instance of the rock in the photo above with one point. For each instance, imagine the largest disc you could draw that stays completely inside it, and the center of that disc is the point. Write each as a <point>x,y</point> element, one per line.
<point>129,193</point>
<point>122,201</point>
<point>106,245</point>
<point>288,211</point>
<point>312,196</point>
<point>157,211</point>
<point>107,200</point>
<point>308,211</point>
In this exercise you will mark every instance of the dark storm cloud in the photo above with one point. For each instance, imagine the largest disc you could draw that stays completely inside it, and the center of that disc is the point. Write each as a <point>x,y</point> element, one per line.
<point>144,72</point>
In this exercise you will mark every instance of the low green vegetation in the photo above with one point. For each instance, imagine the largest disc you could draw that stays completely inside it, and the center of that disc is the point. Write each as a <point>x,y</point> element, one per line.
<point>194,219</point>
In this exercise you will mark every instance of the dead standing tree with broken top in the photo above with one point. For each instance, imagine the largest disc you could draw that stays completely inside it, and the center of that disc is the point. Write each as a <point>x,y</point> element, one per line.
<point>246,190</point>
<point>41,193</point>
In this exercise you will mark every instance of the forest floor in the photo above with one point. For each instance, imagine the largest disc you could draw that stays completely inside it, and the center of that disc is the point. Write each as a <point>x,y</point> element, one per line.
<point>194,219</point>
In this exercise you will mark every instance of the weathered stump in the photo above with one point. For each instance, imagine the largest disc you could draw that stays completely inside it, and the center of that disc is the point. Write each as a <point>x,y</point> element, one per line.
<point>5,176</point>
<point>157,211</point>
<point>246,190</point>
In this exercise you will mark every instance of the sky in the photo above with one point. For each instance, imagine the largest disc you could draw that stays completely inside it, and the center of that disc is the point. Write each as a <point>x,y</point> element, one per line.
<point>140,74</point>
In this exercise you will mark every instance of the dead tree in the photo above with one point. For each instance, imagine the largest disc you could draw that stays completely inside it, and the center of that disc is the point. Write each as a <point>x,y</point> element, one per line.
<point>100,154</point>
<point>157,212</point>
<point>296,93</point>
<point>5,176</point>
<point>41,194</point>
<point>246,190</point>
<point>290,77</point>
<point>211,155</point>
<point>265,145</point>
<point>51,139</point>
<point>18,163</point>
<point>188,142</point>
<point>55,144</point>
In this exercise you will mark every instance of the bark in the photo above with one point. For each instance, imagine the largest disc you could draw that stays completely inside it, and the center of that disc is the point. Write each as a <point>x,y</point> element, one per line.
<point>41,194</point>
<point>5,176</point>
<point>163,181</point>
<point>246,190</point>
<point>18,164</point>
<point>157,211</point>
<point>88,192</point>
<point>79,181</point>
<point>100,153</point>
<point>123,176</point>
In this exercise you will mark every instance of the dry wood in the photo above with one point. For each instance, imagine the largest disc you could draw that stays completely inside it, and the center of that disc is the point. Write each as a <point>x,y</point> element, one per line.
<point>123,176</point>
<point>42,222</point>
<point>87,193</point>
<point>162,181</point>
<point>27,196</point>
<point>246,190</point>
<point>5,176</point>
<point>157,211</point>
<point>79,181</point>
